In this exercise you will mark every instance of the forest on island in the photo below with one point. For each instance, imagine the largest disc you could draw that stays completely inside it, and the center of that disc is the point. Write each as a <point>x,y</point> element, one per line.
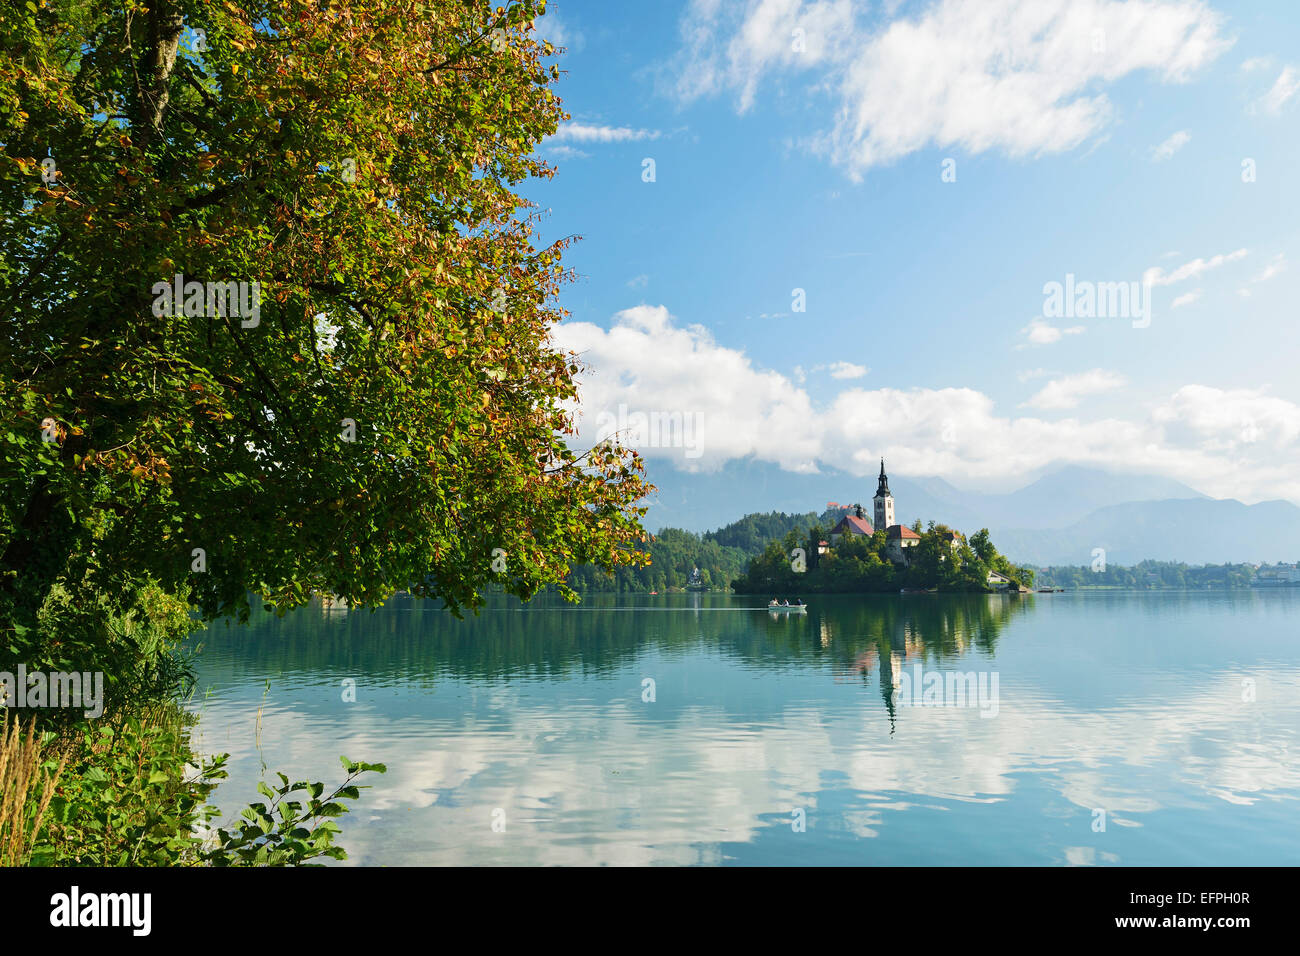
<point>860,563</point>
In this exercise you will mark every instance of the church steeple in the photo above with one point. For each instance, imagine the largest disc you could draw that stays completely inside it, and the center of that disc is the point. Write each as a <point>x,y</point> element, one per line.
<point>883,503</point>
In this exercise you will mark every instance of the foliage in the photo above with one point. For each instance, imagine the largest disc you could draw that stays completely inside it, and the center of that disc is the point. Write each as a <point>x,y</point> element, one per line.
<point>127,798</point>
<point>358,161</point>
<point>286,832</point>
<point>130,796</point>
<point>130,636</point>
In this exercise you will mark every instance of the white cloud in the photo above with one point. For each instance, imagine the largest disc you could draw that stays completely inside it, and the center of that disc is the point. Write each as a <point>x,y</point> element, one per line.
<point>638,282</point>
<point>647,363</point>
<point>1170,146</point>
<point>1239,443</point>
<point>762,37</point>
<point>1023,78</point>
<point>1244,425</point>
<point>1243,444</point>
<point>1067,392</point>
<point>1187,298</point>
<point>1283,89</point>
<point>847,370</point>
<point>566,152</point>
<point>589,133</point>
<point>1156,275</point>
<point>1276,266</point>
<point>1041,332</point>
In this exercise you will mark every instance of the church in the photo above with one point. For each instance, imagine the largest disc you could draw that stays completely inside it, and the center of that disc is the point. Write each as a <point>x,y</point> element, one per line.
<point>898,537</point>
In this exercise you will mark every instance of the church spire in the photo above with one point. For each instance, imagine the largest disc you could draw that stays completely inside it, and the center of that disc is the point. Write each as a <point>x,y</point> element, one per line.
<point>883,503</point>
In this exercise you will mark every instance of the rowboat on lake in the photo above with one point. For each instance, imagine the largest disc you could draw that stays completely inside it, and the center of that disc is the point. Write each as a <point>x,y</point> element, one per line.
<point>773,606</point>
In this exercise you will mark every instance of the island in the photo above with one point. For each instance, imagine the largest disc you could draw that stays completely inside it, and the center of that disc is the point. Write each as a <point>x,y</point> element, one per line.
<point>859,556</point>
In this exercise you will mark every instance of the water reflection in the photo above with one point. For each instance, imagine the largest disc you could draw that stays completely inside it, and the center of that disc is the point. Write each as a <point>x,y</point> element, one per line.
<point>1127,703</point>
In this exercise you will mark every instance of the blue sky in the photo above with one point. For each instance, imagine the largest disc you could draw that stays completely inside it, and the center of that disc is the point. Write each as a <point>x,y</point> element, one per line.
<point>802,146</point>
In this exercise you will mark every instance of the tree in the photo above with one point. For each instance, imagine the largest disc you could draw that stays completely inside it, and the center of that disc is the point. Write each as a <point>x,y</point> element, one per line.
<point>815,537</point>
<point>982,545</point>
<point>354,390</point>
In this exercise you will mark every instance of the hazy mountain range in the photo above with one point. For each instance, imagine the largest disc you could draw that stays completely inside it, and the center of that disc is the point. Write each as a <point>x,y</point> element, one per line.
<point>1057,519</point>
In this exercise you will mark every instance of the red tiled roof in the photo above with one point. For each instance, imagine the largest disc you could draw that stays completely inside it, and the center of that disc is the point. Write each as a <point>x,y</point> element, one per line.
<point>902,531</point>
<point>855,524</point>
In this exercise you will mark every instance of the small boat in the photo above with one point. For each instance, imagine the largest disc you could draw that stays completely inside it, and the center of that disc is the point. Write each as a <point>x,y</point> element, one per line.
<point>787,607</point>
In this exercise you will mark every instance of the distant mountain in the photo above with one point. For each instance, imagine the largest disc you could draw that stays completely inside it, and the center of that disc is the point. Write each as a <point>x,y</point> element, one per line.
<point>1197,531</point>
<point>702,502</point>
<point>1071,493</point>
<point>1059,518</point>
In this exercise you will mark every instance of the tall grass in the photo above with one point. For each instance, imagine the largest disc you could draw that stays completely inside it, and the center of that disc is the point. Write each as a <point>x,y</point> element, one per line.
<point>26,787</point>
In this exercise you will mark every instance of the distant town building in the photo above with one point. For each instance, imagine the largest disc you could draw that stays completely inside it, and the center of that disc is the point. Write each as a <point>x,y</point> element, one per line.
<point>852,524</point>
<point>1279,575</point>
<point>1000,581</point>
<point>954,539</point>
<point>898,538</point>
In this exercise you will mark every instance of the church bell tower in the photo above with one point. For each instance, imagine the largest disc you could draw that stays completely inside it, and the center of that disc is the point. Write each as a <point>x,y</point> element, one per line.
<point>884,502</point>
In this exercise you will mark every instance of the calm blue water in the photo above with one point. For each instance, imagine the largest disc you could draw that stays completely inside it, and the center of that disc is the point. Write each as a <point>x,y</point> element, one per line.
<point>1169,718</point>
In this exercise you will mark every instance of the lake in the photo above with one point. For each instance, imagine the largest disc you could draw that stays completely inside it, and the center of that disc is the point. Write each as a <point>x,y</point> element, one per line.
<point>1084,728</point>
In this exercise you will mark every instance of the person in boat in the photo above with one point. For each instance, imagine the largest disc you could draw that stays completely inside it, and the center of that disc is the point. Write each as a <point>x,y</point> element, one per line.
<point>773,603</point>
